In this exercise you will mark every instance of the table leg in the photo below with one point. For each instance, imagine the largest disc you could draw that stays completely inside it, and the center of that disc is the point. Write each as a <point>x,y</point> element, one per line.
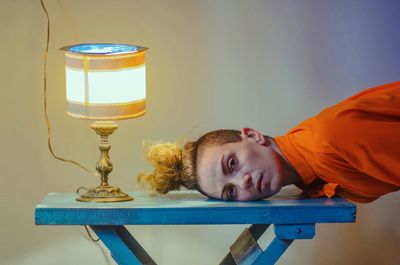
<point>245,250</point>
<point>273,252</point>
<point>124,248</point>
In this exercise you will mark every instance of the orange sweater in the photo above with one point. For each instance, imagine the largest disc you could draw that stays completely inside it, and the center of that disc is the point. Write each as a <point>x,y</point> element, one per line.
<point>351,149</point>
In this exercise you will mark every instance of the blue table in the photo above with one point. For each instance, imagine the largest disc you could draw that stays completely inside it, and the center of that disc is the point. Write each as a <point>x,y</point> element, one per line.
<point>293,217</point>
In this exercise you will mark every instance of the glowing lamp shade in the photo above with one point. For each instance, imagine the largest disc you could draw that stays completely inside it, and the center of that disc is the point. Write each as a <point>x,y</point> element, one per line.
<point>105,81</point>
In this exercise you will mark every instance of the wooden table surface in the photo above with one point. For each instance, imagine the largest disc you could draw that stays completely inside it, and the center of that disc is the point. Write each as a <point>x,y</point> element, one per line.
<point>192,208</point>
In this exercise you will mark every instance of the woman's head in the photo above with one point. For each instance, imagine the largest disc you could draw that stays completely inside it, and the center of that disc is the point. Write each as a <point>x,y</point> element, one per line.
<point>222,164</point>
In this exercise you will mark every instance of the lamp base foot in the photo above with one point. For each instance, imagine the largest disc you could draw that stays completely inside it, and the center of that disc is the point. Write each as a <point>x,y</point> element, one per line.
<point>104,194</point>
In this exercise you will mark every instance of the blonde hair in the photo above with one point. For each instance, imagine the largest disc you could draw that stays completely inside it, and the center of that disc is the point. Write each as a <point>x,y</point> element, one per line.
<point>175,166</point>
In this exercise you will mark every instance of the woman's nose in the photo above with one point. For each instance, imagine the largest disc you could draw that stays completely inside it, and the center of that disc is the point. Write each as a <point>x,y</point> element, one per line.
<point>247,181</point>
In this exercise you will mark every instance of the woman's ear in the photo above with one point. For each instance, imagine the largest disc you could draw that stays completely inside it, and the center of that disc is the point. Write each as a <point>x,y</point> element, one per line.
<point>252,134</point>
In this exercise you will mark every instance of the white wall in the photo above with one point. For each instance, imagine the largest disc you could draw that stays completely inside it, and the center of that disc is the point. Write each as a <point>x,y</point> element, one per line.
<point>211,64</point>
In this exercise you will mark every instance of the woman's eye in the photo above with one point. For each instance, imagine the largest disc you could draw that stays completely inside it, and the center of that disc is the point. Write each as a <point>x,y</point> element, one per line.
<point>231,192</point>
<point>232,163</point>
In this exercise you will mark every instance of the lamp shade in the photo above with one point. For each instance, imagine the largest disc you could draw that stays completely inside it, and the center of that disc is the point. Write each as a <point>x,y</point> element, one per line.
<point>105,81</point>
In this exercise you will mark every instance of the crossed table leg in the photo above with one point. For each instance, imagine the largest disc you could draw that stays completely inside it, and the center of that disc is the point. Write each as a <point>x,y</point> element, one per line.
<point>245,250</point>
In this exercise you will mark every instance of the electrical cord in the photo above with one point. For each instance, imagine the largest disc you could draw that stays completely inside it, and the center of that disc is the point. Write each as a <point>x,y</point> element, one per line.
<point>47,117</point>
<point>45,101</point>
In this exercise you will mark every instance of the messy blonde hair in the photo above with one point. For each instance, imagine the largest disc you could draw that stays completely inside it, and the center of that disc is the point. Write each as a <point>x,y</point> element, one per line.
<point>175,166</point>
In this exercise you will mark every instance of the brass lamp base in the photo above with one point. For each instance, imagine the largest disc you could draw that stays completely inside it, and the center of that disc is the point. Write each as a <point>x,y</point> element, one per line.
<point>104,194</point>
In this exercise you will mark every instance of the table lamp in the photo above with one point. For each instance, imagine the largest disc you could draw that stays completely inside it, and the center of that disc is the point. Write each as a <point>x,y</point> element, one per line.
<point>105,82</point>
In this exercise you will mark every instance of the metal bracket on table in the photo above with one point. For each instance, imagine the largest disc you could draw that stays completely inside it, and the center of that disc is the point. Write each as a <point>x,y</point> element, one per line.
<point>245,250</point>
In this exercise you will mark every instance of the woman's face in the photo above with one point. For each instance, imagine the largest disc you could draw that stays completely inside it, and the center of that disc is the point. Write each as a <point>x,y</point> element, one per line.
<point>242,171</point>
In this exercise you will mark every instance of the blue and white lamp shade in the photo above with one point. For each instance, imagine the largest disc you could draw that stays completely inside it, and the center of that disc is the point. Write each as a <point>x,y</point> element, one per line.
<point>105,81</point>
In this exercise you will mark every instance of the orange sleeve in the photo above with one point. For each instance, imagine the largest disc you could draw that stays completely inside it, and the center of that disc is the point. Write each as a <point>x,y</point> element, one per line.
<point>366,134</point>
<point>352,148</point>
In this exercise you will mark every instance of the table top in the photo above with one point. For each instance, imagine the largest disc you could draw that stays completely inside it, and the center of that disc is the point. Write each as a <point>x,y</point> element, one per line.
<point>188,207</point>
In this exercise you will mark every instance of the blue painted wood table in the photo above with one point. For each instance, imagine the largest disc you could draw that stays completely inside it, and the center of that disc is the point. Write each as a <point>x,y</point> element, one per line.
<point>293,217</point>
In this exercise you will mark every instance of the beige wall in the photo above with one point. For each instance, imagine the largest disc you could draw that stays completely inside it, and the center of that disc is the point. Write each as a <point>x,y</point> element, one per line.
<point>211,64</point>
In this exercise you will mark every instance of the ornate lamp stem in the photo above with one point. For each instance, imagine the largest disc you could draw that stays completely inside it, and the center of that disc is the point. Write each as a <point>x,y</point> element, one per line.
<point>104,166</point>
<point>104,192</point>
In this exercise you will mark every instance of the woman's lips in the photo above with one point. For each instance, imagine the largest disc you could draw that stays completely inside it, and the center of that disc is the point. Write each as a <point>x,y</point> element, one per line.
<point>259,182</point>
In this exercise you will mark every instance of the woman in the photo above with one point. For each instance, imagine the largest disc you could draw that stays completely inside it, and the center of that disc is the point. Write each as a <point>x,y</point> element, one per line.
<point>351,149</point>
